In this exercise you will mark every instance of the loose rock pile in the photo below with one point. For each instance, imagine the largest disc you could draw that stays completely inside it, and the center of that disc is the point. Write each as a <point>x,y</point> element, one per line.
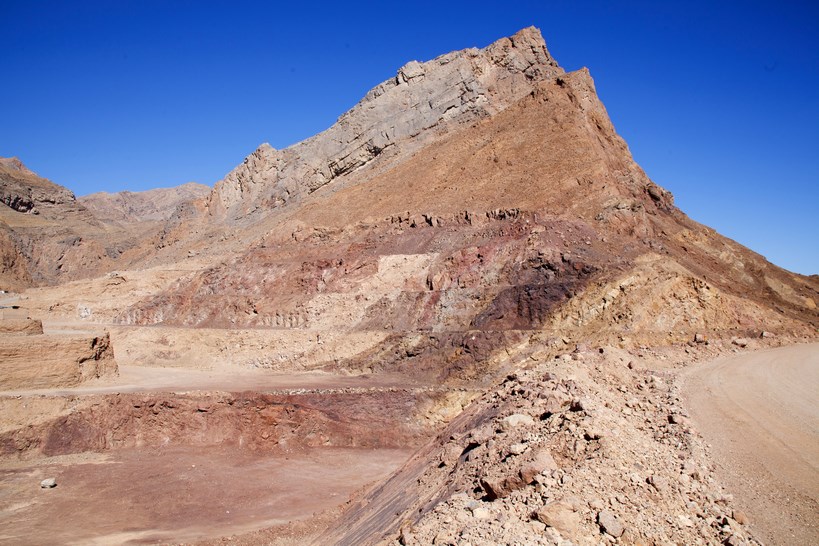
<point>589,449</point>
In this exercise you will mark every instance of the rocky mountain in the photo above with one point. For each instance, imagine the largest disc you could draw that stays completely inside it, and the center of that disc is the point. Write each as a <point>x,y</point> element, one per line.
<point>156,205</point>
<point>403,114</point>
<point>525,216</point>
<point>40,226</point>
<point>475,242</point>
<point>23,191</point>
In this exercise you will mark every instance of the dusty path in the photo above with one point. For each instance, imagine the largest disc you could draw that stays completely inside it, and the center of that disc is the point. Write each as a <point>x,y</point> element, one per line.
<point>760,413</point>
<point>150,379</point>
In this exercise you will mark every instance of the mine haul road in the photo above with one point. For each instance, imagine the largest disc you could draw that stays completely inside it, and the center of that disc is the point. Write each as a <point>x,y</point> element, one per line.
<point>760,414</point>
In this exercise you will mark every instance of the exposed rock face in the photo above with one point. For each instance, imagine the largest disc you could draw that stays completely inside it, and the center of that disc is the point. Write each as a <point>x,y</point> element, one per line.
<point>404,113</point>
<point>155,205</point>
<point>278,423</point>
<point>44,232</point>
<point>14,273</point>
<point>62,360</point>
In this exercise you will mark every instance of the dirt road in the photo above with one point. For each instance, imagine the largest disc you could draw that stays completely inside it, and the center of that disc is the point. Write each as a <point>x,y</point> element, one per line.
<point>150,379</point>
<point>760,413</point>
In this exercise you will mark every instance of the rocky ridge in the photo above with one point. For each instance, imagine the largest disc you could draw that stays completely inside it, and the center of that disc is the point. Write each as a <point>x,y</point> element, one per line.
<point>398,116</point>
<point>49,236</point>
<point>23,191</point>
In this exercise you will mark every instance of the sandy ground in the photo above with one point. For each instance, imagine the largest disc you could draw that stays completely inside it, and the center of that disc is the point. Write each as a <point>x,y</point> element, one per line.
<point>179,494</point>
<point>760,414</point>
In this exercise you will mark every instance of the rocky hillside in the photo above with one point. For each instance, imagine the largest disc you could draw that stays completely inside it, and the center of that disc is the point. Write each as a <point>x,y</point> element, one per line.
<point>403,114</point>
<point>23,191</point>
<point>48,236</point>
<point>41,230</point>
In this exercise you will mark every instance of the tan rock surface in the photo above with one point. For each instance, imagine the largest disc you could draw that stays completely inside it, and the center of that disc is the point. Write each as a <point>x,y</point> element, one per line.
<point>32,361</point>
<point>20,326</point>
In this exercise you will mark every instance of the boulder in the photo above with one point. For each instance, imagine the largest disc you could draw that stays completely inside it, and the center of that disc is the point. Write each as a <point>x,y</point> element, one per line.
<point>498,488</point>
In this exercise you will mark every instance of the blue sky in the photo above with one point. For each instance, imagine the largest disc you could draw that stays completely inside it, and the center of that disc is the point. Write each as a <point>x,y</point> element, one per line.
<point>719,101</point>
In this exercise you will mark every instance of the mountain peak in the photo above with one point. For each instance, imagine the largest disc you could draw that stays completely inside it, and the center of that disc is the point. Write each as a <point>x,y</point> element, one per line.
<point>421,103</point>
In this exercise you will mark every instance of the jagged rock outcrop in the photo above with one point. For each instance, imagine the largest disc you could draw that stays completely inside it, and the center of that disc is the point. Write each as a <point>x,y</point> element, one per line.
<point>422,102</point>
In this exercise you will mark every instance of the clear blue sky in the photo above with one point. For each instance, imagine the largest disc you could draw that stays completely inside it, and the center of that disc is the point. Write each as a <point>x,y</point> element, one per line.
<point>719,101</point>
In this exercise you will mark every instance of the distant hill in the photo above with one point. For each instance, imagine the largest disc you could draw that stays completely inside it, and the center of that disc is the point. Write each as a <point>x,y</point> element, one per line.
<point>155,205</point>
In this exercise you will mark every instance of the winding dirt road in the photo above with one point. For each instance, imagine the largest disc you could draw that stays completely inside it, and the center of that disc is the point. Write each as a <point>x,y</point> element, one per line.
<point>760,413</point>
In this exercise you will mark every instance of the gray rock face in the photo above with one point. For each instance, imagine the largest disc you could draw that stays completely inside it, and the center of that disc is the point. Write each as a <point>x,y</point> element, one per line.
<point>421,103</point>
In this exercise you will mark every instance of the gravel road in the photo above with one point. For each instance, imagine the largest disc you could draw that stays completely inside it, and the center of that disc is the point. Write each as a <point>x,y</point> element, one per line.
<point>760,413</point>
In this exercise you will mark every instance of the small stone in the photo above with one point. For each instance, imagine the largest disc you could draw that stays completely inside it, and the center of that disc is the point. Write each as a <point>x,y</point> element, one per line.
<point>481,513</point>
<point>48,483</point>
<point>677,419</point>
<point>405,536</point>
<point>690,469</point>
<point>610,524</point>
<point>593,434</point>
<point>517,419</point>
<point>580,404</point>
<point>735,540</point>
<point>540,463</point>
<point>497,488</point>
<point>517,449</point>
<point>699,338</point>
<point>740,517</point>
<point>450,454</point>
<point>740,342</point>
<point>659,483</point>
<point>561,516</point>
